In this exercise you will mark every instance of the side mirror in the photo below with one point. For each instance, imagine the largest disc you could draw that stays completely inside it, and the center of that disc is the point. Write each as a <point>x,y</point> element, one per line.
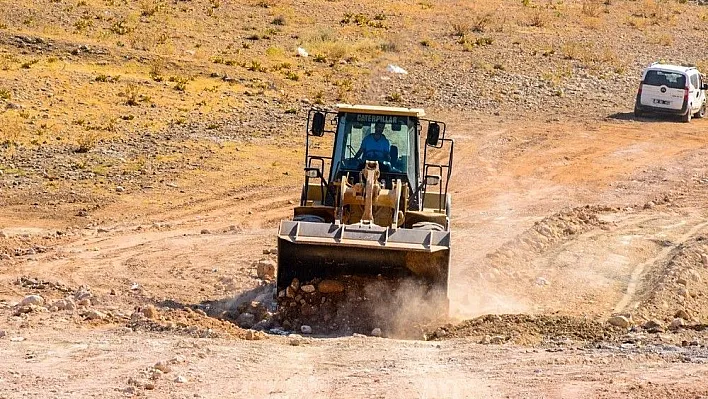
<point>318,124</point>
<point>432,180</point>
<point>704,87</point>
<point>433,134</point>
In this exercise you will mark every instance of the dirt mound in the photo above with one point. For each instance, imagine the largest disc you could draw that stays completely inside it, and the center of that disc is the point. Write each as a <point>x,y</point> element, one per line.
<point>399,308</point>
<point>677,290</point>
<point>185,321</point>
<point>528,330</point>
<point>549,232</point>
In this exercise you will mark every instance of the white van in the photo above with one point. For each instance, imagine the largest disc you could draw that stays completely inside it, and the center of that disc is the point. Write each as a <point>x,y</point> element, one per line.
<point>671,89</point>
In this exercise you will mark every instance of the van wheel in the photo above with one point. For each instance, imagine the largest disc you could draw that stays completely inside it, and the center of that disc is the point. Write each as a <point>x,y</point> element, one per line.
<point>687,118</point>
<point>701,112</point>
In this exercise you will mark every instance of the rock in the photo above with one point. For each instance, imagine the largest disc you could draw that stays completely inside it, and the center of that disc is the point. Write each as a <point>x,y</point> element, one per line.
<point>83,293</point>
<point>306,329</point>
<point>149,386</point>
<point>93,314</point>
<point>619,321</point>
<point>64,304</point>
<point>649,205</point>
<point>2,333</point>
<point>295,284</point>
<point>246,320</point>
<point>252,335</point>
<point>704,260</point>
<point>486,340</point>
<point>295,339</point>
<point>150,312</point>
<point>156,374</point>
<point>290,292</point>
<point>497,340</point>
<point>177,360</point>
<point>653,326</point>
<point>120,189</point>
<point>677,323</point>
<point>32,300</point>
<point>265,269</point>
<point>5,257</point>
<point>683,292</point>
<point>541,281</point>
<point>2,233</point>
<point>163,367</point>
<point>309,288</point>
<point>181,379</point>
<point>330,287</point>
<point>682,281</point>
<point>20,310</point>
<point>263,325</point>
<point>683,314</point>
<point>376,332</point>
<point>205,231</point>
<point>84,302</point>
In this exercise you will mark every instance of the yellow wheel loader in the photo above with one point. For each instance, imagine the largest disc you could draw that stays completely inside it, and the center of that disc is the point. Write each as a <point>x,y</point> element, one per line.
<point>371,207</point>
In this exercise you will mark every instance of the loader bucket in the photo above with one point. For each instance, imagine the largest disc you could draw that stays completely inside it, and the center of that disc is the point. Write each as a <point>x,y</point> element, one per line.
<point>309,250</point>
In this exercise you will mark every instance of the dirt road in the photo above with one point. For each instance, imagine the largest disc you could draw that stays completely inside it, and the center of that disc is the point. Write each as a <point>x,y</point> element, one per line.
<point>565,224</point>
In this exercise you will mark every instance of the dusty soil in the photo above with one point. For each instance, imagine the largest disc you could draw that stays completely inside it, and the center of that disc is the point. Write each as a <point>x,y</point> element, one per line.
<point>557,227</point>
<point>148,151</point>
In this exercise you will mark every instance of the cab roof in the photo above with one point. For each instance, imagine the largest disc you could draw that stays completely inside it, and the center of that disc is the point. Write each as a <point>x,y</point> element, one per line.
<point>670,67</point>
<point>378,110</point>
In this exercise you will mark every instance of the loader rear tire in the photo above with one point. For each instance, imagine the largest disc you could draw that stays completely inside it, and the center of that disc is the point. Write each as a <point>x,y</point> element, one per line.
<point>428,226</point>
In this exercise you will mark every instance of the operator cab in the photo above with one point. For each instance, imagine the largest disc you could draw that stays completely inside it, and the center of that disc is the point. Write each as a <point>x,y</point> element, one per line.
<point>357,141</point>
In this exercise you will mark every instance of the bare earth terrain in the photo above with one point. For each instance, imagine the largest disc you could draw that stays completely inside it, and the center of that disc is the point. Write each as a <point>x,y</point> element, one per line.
<point>148,152</point>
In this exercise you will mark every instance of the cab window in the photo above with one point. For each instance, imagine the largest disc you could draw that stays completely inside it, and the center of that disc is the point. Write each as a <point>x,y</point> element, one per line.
<point>694,81</point>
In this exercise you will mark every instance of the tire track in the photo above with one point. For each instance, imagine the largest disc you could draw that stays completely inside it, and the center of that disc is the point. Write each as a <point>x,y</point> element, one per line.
<point>638,271</point>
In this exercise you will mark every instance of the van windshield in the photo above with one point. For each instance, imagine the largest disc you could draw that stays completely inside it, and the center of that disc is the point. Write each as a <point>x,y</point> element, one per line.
<point>662,78</point>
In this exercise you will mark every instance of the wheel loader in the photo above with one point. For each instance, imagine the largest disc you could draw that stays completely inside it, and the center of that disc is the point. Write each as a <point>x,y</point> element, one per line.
<point>384,212</point>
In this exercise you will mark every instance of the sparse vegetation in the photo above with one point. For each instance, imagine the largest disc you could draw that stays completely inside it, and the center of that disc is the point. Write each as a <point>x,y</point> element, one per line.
<point>592,8</point>
<point>87,141</point>
<point>180,82</point>
<point>122,28</point>
<point>395,97</point>
<point>538,19</point>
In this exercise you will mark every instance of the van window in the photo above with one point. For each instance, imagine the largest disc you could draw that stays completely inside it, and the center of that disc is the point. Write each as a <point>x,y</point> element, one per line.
<point>661,78</point>
<point>694,81</point>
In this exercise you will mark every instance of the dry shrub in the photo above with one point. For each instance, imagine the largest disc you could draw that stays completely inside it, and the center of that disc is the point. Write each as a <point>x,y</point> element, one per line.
<point>658,12</point>
<point>148,8</point>
<point>538,18</point>
<point>481,22</point>
<point>460,28</point>
<point>592,8</point>
<point>592,23</point>
<point>663,39</point>
<point>87,141</point>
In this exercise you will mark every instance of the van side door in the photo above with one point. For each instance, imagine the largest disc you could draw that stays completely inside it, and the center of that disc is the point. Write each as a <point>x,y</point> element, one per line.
<point>694,91</point>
